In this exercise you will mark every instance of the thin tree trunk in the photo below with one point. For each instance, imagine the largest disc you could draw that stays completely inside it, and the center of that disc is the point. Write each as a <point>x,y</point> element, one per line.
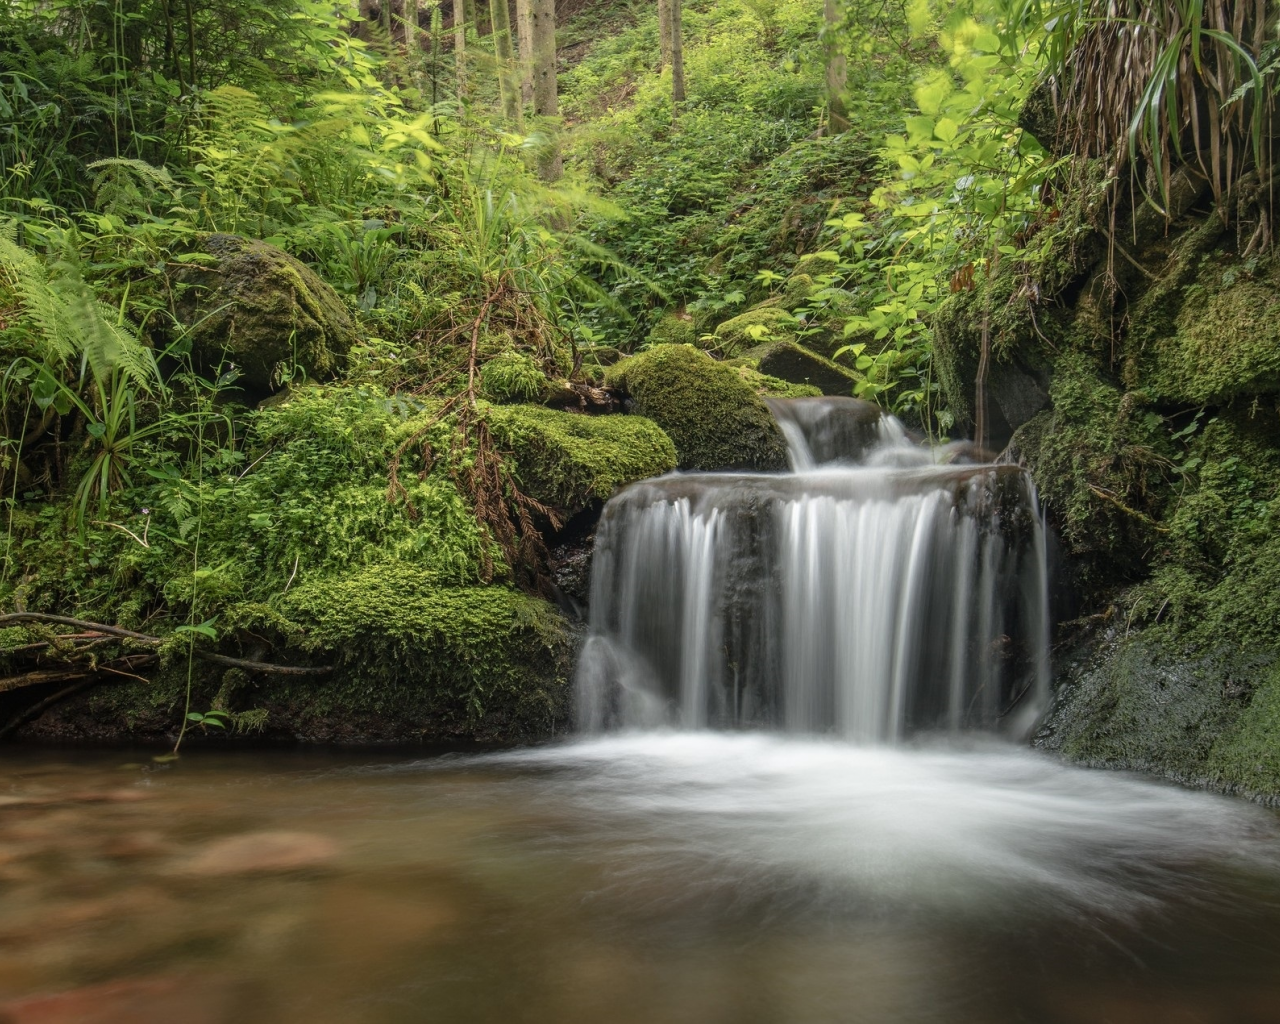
<point>460,45</point>
<point>546,101</point>
<point>524,37</point>
<point>507,84</point>
<point>677,52</point>
<point>837,71</point>
<point>664,33</point>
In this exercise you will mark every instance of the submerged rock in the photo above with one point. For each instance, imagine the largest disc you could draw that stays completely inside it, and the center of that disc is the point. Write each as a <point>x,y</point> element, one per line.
<point>256,306</point>
<point>715,419</point>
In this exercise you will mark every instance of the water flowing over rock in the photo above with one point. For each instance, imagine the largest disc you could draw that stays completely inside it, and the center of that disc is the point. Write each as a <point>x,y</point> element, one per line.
<point>877,591</point>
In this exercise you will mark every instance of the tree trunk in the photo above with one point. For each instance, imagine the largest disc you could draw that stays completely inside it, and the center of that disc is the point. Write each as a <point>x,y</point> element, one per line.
<point>677,52</point>
<point>460,45</point>
<point>524,38</point>
<point>837,72</point>
<point>664,33</point>
<point>507,83</point>
<point>546,101</point>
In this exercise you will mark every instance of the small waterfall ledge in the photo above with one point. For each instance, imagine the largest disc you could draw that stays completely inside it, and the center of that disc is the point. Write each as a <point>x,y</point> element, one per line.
<point>881,589</point>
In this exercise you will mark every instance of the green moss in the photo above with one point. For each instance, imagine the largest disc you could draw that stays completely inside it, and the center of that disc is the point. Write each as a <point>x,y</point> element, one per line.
<point>412,662</point>
<point>1225,341</point>
<point>512,377</point>
<point>790,362</point>
<point>736,336</point>
<point>1150,703</point>
<point>674,329</point>
<point>476,661</point>
<point>1247,758</point>
<point>256,306</point>
<point>1100,460</point>
<point>1217,574</point>
<point>716,419</point>
<point>567,460</point>
<point>773,387</point>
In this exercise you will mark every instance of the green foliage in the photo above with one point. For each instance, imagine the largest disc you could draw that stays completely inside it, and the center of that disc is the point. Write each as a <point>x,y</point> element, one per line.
<point>714,417</point>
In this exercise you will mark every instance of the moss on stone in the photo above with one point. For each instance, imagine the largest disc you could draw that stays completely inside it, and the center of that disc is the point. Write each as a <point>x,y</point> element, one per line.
<point>773,387</point>
<point>512,377</point>
<point>749,329</point>
<point>674,329</point>
<point>788,361</point>
<point>568,460</point>
<point>256,306</point>
<point>1150,703</point>
<point>1225,341</point>
<point>413,662</point>
<point>714,417</point>
<point>1100,460</point>
<point>481,662</point>
<point>1246,759</point>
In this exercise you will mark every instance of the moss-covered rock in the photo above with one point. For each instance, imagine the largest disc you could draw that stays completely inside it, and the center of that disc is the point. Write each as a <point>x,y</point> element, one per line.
<point>1223,341</point>
<point>790,362</point>
<point>1150,703</point>
<point>773,387</point>
<point>568,460</point>
<point>412,662</point>
<point>746,331</point>
<point>716,419</point>
<point>256,306</point>
<point>674,329</point>
<point>1100,461</point>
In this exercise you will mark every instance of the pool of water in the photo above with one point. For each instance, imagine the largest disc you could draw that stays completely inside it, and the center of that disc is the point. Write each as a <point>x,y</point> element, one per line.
<point>639,878</point>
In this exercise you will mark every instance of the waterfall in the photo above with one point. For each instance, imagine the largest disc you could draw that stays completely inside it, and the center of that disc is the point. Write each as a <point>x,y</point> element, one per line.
<point>881,588</point>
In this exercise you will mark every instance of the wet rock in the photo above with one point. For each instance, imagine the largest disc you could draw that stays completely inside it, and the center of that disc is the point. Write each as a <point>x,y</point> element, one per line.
<point>790,362</point>
<point>258,853</point>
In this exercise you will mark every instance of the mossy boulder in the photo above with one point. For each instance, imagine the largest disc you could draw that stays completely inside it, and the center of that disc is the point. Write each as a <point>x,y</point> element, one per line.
<point>1222,342</point>
<point>674,329</point>
<point>714,417</point>
<point>1100,461</point>
<point>763,323</point>
<point>790,362</point>
<point>569,460</point>
<point>256,306</point>
<point>1147,702</point>
<point>412,662</point>
<point>773,387</point>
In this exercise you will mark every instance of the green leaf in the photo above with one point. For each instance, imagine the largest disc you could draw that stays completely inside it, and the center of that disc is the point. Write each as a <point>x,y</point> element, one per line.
<point>946,129</point>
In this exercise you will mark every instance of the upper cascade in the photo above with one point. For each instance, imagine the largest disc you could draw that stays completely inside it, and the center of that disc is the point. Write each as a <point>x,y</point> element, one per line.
<point>882,588</point>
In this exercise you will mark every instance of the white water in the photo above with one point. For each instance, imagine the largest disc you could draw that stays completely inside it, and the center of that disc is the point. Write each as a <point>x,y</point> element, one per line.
<point>874,592</point>
<point>837,828</point>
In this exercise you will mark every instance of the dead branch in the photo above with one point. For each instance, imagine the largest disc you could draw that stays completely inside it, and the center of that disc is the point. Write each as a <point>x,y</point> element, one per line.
<point>142,638</point>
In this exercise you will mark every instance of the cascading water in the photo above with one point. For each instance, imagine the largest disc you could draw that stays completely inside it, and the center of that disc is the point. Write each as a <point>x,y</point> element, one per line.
<point>880,589</point>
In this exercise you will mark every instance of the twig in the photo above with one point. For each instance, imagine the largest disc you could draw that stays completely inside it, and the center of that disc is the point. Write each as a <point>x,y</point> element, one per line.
<point>123,529</point>
<point>294,573</point>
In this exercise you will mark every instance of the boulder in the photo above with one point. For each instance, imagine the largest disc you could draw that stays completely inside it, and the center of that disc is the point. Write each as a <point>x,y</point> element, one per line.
<point>788,361</point>
<point>256,306</point>
<point>714,417</point>
<point>568,460</point>
<point>749,329</point>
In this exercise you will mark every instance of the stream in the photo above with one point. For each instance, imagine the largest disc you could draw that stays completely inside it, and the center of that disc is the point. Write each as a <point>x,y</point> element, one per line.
<point>664,876</point>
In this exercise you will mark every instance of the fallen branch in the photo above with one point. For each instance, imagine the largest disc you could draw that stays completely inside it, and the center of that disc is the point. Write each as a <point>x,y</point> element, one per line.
<point>128,634</point>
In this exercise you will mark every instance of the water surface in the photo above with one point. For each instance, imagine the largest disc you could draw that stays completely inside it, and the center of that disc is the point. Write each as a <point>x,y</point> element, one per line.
<point>636,878</point>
